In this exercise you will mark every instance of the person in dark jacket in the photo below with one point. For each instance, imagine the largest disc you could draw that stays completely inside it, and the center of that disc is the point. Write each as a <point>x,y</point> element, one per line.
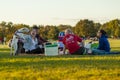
<point>104,45</point>
<point>41,41</point>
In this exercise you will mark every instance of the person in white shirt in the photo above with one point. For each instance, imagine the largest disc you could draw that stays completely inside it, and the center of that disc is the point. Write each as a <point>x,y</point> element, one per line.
<point>31,43</point>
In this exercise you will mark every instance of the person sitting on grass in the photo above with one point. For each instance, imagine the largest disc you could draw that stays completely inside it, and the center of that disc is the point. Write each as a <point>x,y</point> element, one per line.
<point>41,41</point>
<point>104,45</point>
<point>31,43</point>
<point>60,42</point>
<point>71,43</point>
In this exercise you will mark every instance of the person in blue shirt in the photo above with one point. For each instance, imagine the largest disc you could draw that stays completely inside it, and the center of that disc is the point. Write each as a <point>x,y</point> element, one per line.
<point>104,45</point>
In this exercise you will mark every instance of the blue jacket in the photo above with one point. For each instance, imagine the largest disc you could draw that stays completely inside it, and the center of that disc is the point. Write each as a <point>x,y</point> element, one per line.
<point>104,44</point>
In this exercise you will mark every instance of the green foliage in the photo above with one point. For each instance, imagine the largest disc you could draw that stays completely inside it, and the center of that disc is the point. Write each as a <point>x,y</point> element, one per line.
<point>63,27</point>
<point>112,28</point>
<point>83,28</point>
<point>86,28</point>
<point>51,32</point>
<point>0,34</point>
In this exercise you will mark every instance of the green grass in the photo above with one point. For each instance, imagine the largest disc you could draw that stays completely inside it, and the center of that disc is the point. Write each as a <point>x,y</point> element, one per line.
<point>84,67</point>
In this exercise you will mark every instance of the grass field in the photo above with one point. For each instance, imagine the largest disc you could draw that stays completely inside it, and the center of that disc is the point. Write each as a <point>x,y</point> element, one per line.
<point>85,67</point>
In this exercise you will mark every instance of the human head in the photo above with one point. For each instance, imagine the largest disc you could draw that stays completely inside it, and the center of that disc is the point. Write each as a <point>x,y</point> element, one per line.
<point>101,32</point>
<point>68,31</point>
<point>36,28</point>
<point>33,32</point>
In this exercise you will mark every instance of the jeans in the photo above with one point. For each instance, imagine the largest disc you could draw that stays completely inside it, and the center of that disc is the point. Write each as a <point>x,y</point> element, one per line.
<point>99,52</point>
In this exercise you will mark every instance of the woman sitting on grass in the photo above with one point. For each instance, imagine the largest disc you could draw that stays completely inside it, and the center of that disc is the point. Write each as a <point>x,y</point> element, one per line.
<point>104,45</point>
<point>31,45</point>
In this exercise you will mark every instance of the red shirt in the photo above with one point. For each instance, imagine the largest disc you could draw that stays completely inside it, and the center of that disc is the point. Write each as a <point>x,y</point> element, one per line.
<point>71,42</point>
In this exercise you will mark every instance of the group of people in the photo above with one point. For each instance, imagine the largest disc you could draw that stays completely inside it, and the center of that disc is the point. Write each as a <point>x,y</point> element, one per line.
<point>71,40</point>
<point>34,43</point>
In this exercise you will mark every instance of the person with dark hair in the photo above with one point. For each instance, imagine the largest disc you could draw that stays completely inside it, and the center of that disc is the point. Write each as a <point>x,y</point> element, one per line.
<point>104,45</point>
<point>31,43</point>
<point>41,41</point>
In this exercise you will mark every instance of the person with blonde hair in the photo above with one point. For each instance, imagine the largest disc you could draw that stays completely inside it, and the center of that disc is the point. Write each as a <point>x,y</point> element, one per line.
<point>71,43</point>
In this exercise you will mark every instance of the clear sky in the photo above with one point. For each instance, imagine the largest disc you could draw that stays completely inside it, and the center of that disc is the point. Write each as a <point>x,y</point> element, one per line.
<point>55,12</point>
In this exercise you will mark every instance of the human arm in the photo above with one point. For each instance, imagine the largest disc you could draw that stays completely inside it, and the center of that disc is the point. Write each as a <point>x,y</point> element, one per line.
<point>40,39</point>
<point>64,49</point>
<point>81,41</point>
<point>101,44</point>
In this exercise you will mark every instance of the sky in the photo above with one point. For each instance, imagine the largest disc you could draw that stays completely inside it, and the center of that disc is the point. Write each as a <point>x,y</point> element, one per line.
<point>55,12</point>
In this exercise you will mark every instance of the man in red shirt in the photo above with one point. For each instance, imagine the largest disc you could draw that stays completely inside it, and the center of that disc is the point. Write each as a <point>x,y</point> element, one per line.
<point>71,43</point>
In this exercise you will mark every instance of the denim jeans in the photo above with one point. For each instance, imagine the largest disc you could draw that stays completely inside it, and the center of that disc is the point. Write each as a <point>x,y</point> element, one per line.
<point>99,52</point>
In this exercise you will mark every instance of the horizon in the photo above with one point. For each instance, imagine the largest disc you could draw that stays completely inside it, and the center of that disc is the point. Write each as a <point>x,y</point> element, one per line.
<point>56,12</point>
<point>59,24</point>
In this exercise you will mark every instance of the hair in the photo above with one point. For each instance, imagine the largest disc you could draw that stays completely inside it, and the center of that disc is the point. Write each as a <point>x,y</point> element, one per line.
<point>103,32</point>
<point>35,27</point>
<point>69,31</point>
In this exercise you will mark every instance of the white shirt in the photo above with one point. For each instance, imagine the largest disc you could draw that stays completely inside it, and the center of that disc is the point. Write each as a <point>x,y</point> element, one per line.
<point>34,43</point>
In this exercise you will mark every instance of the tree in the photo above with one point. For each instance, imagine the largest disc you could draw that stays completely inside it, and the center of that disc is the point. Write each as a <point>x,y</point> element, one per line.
<point>43,31</point>
<point>62,28</point>
<point>117,32</point>
<point>53,33</point>
<point>86,28</point>
<point>3,29</point>
<point>112,28</point>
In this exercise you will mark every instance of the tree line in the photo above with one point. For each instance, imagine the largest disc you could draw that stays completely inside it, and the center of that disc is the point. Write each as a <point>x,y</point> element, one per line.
<point>84,28</point>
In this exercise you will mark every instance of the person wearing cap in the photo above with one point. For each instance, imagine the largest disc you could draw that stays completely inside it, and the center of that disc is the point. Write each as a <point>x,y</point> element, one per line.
<point>60,42</point>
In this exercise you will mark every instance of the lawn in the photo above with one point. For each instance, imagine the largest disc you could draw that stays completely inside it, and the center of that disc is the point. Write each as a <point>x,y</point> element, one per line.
<point>85,67</point>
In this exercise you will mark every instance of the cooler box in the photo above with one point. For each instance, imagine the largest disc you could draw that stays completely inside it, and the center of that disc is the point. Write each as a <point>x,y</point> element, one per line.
<point>51,50</point>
